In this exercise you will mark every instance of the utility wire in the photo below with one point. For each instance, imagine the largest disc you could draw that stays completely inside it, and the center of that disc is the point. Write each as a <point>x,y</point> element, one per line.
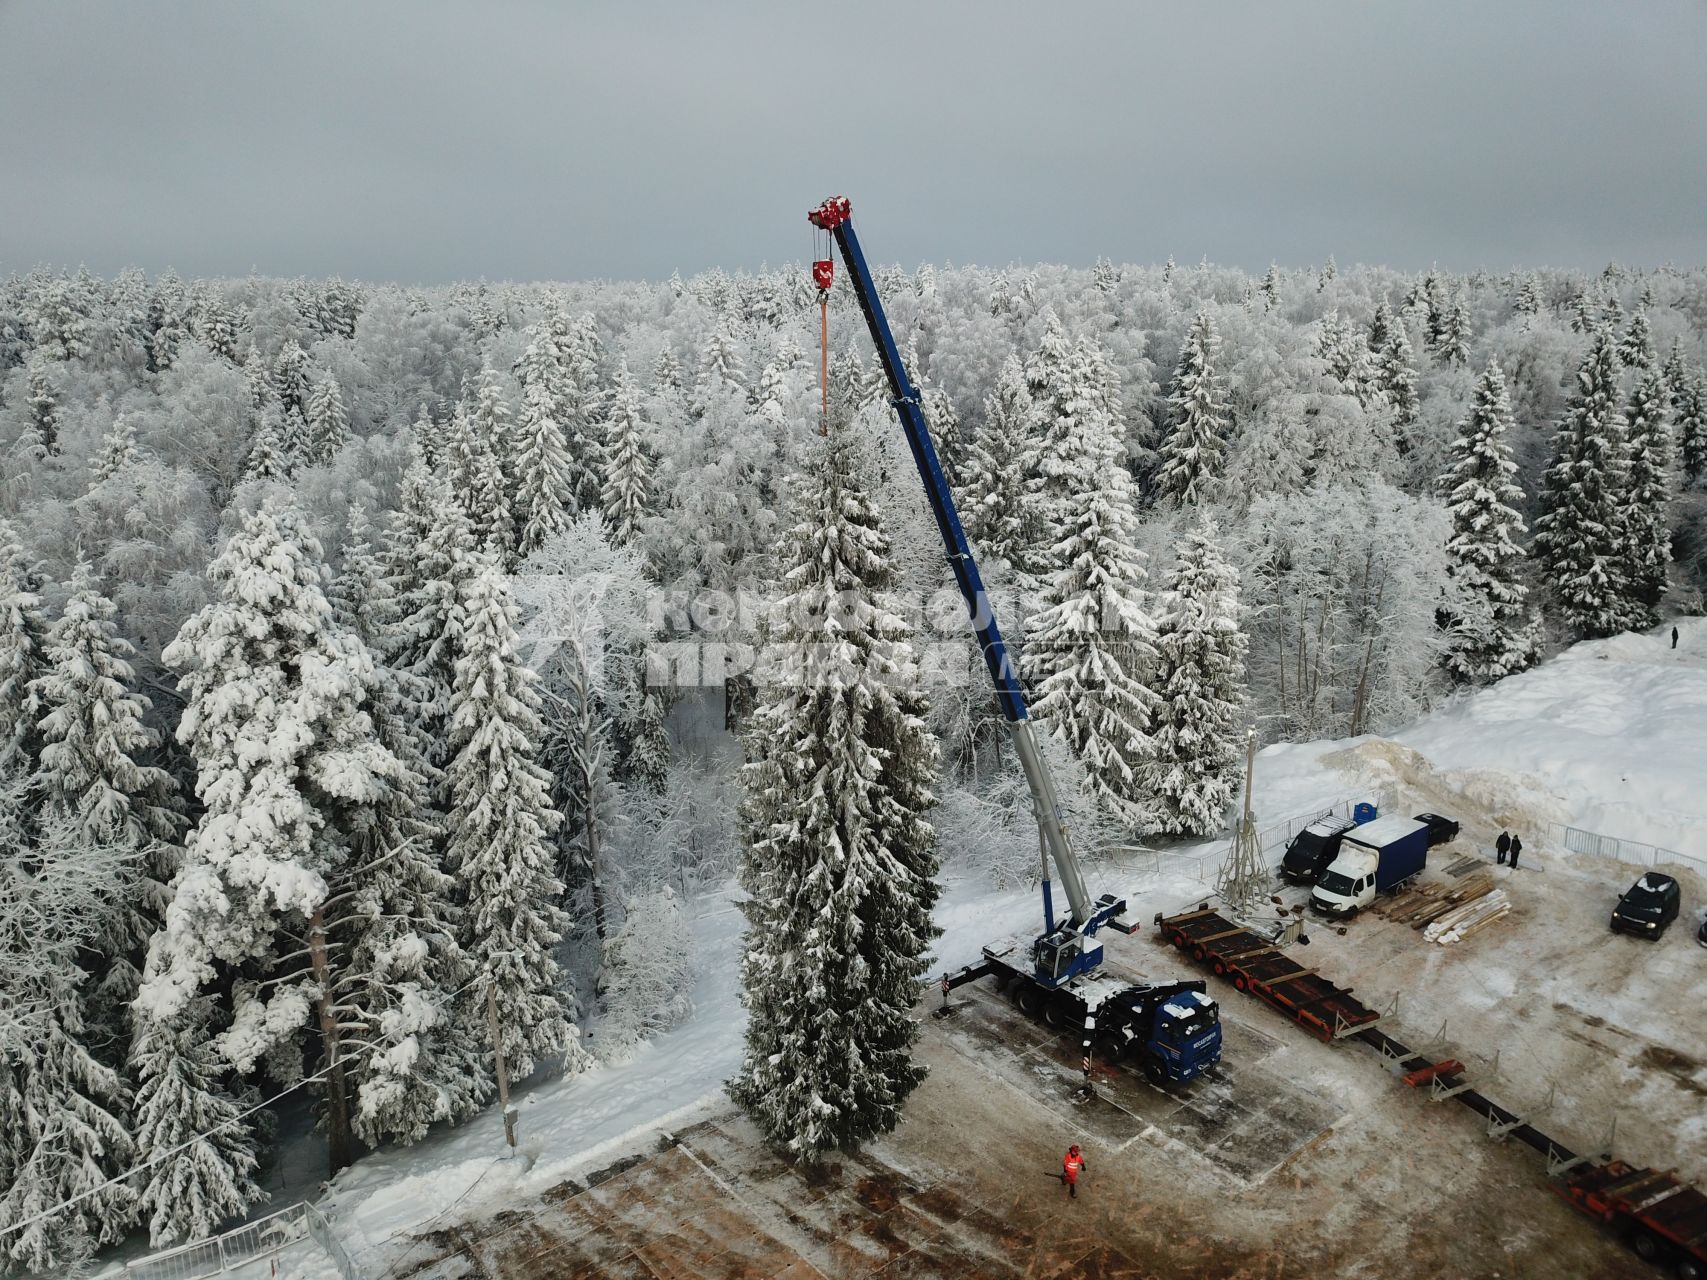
<point>182,1146</point>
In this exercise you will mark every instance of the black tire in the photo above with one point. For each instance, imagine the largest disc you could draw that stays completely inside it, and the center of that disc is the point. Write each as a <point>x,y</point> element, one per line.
<point>1028,997</point>
<point>1002,981</point>
<point>1645,1244</point>
<point>1155,1073</point>
<point>1059,1014</point>
<point>1690,1269</point>
<point>1108,1047</point>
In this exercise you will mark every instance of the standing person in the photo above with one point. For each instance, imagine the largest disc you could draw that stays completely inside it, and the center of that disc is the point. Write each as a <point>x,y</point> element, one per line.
<point>1072,1165</point>
<point>1516,848</point>
<point>1502,846</point>
<point>1674,637</point>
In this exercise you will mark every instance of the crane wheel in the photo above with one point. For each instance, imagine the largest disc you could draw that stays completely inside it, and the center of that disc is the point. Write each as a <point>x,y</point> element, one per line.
<point>1154,1073</point>
<point>1028,997</point>
<point>1057,1016</point>
<point>1109,1048</point>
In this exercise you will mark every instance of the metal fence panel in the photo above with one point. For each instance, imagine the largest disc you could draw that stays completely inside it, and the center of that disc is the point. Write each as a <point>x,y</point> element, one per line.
<point>321,1230</point>
<point>1634,852</point>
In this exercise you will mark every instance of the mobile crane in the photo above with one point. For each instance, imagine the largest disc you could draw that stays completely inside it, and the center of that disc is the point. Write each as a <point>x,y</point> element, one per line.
<point>1172,1029</point>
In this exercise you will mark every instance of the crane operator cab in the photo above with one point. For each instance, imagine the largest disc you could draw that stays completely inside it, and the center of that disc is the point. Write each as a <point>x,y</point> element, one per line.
<point>1186,1035</point>
<point>1063,954</point>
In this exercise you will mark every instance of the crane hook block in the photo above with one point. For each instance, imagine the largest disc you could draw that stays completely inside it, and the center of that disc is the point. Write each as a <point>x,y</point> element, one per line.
<point>832,213</point>
<point>824,274</point>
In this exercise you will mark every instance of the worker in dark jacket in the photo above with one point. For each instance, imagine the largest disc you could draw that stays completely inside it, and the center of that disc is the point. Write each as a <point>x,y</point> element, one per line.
<point>1502,846</point>
<point>1516,848</point>
<point>1072,1165</point>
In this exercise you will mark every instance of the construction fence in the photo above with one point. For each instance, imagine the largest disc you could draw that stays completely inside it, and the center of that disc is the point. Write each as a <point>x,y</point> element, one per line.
<point>271,1246</point>
<point>1634,852</point>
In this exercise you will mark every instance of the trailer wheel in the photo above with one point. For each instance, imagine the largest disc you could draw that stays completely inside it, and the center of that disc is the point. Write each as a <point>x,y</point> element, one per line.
<point>1240,982</point>
<point>1220,966</point>
<point>1028,997</point>
<point>1689,1269</point>
<point>1198,952</point>
<point>1646,1246</point>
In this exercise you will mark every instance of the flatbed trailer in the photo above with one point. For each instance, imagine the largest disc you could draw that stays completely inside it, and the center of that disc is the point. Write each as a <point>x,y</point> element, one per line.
<point>1256,964</point>
<point>1664,1218</point>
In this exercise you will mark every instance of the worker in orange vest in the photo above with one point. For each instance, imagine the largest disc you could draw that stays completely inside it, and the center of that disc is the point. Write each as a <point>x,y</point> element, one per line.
<point>1072,1165</point>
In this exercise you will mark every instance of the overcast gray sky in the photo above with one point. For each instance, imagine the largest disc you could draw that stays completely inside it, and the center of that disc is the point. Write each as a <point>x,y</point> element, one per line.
<point>428,141</point>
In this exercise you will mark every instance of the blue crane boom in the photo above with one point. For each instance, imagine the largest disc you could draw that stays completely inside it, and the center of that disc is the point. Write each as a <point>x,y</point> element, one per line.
<point>1067,949</point>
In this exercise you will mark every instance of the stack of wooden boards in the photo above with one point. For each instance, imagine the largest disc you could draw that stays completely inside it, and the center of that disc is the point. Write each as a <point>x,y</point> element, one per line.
<point>1450,913</point>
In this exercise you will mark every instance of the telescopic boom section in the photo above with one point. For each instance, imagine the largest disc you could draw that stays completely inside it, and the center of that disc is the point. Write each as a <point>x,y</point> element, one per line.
<point>835,216</point>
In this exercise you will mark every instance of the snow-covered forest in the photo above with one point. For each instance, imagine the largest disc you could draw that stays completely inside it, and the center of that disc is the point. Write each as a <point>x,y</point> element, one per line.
<point>379,664</point>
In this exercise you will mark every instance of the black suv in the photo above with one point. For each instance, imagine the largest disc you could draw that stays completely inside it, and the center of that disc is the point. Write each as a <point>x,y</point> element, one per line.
<point>1648,906</point>
<point>1440,830</point>
<point>1313,849</point>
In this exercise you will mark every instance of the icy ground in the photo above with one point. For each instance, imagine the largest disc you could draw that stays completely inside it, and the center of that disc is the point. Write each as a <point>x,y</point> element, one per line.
<point>1611,735</point>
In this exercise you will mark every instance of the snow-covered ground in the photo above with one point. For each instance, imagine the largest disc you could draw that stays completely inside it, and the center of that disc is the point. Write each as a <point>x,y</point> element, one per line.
<point>1611,735</point>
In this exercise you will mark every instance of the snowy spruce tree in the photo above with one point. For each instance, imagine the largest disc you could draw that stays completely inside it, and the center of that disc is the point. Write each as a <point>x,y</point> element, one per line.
<point>545,473</point>
<point>1193,774</point>
<point>1191,451</point>
<point>287,766</point>
<point>1645,499</point>
<point>476,476</point>
<point>118,450</point>
<point>999,492</point>
<point>328,423</point>
<point>1492,634</point>
<point>1692,431</point>
<point>1580,532</point>
<point>626,492</point>
<point>1090,649</point>
<point>498,829</point>
<point>414,1061</point>
<point>202,1162</point>
<point>23,659</point>
<point>841,860</point>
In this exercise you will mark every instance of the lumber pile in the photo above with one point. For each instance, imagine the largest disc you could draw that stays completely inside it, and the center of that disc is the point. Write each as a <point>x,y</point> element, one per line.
<point>1470,918</point>
<point>1428,902</point>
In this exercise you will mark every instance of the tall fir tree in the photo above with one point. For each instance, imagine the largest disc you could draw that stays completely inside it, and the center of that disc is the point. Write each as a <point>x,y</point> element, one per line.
<point>841,861</point>
<point>69,1110</point>
<point>1200,690</point>
<point>626,493</point>
<point>288,766</point>
<point>1390,349</point>
<point>1579,534</point>
<point>201,1161</point>
<point>118,450</point>
<point>1492,635</point>
<point>42,397</point>
<point>1453,344</point>
<point>1192,449</point>
<point>498,831</point>
<point>328,421</point>
<point>268,460</point>
<point>23,655</point>
<point>1636,348</point>
<point>1091,648</point>
<point>545,473</point>
<point>292,376</point>
<point>1692,431</point>
<point>1645,499</point>
<point>477,478</point>
<point>1000,492</point>
<point>414,1060</point>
